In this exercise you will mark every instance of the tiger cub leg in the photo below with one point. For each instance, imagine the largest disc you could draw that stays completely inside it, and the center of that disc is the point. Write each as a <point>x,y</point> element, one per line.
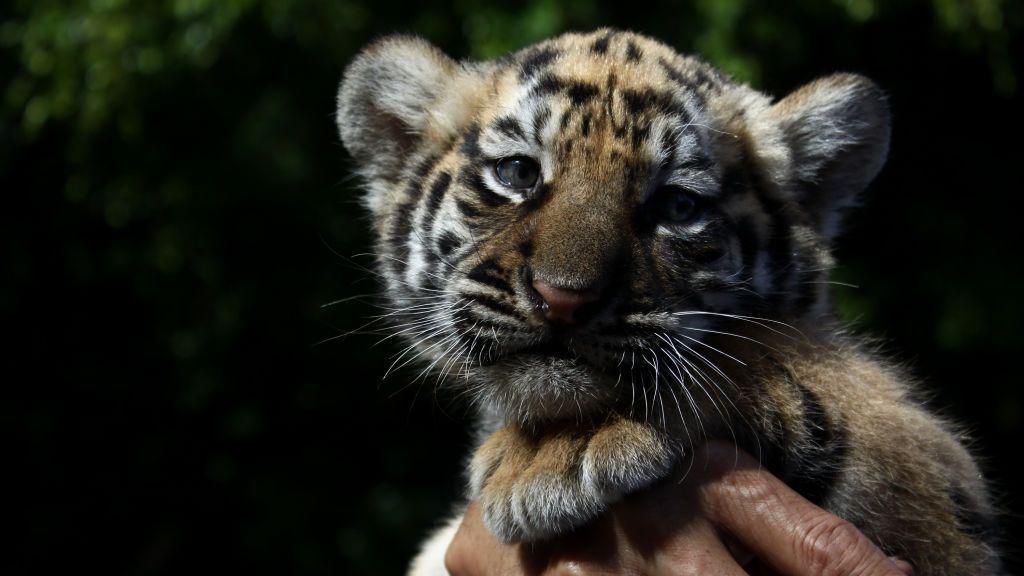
<point>536,487</point>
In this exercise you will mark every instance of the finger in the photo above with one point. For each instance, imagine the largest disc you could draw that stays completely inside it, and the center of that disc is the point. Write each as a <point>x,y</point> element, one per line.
<point>689,556</point>
<point>595,549</point>
<point>474,551</point>
<point>903,565</point>
<point>635,540</point>
<point>782,528</point>
<point>685,545</point>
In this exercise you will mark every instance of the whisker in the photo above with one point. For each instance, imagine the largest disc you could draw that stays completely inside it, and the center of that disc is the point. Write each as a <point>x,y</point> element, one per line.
<point>705,344</point>
<point>740,336</point>
<point>752,319</point>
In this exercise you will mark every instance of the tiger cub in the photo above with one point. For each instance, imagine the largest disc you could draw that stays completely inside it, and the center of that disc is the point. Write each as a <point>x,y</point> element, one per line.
<point>612,251</point>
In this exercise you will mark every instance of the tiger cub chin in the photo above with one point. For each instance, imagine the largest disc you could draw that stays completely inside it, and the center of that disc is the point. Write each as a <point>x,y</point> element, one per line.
<point>614,251</point>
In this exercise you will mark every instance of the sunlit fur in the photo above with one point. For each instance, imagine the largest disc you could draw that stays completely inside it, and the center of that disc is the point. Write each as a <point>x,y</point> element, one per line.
<point>716,326</point>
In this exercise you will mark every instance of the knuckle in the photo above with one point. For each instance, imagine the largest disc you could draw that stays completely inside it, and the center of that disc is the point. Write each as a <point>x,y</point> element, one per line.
<point>833,546</point>
<point>736,492</point>
<point>576,568</point>
<point>567,569</point>
<point>458,556</point>
<point>455,561</point>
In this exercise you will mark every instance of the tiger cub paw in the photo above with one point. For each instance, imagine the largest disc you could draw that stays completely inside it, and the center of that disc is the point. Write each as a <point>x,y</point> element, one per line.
<point>533,488</point>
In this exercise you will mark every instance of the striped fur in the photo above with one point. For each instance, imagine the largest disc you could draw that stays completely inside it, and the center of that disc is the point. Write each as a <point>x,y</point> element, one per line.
<point>717,325</point>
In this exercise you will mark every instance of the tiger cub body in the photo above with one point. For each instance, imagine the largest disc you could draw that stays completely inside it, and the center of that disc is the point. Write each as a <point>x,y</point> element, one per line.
<point>613,251</point>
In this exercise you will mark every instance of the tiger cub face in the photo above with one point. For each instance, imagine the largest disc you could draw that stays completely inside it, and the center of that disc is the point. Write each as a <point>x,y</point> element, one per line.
<point>561,228</point>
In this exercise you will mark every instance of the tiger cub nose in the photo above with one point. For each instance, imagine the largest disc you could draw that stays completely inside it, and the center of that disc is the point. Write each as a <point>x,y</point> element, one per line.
<point>562,305</point>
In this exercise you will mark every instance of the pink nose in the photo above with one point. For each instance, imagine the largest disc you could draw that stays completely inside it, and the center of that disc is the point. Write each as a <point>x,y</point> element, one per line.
<point>561,305</point>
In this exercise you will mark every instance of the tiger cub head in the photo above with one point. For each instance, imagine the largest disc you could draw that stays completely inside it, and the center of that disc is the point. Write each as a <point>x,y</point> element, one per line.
<point>562,228</point>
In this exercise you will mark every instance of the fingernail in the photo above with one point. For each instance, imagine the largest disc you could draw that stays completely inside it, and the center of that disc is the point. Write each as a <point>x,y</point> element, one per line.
<point>903,565</point>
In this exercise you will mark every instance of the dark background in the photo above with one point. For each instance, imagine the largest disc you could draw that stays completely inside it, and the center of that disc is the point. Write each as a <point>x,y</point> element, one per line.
<point>177,211</point>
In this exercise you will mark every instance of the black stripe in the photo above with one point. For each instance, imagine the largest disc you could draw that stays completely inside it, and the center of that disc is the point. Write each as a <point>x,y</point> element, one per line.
<point>433,204</point>
<point>495,305</point>
<point>708,78</point>
<point>809,455</point>
<point>487,266</point>
<point>401,225</point>
<point>577,91</point>
<point>668,143</point>
<point>448,243</point>
<point>655,100</point>
<point>472,179</point>
<point>471,142</point>
<point>400,229</point>
<point>467,209</point>
<point>540,120</point>
<point>429,279</point>
<point>465,322</point>
<point>673,74</point>
<point>563,122</point>
<point>581,92</point>
<point>735,182</point>
<point>637,102</point>
<point>778,246</point>
<point>600,46</point>
<point>489,273</point>
<point>547,85</point>
<point>536,62</point>
<point>698,75</point>
<point>701,250</point>
<point>816,472</point>
<point>585,124</point>
<point>633,52</point>
<point>640,131</point>
<point>532,199</point>
<point>510,127</point>
<point>437,191</point>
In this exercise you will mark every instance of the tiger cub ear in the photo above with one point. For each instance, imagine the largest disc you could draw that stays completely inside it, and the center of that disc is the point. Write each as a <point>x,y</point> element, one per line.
<point>837,131</point>
<point>400,93</point>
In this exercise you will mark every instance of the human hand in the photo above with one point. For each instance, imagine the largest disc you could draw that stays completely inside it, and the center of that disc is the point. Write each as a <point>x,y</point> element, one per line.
<point>727,517</point>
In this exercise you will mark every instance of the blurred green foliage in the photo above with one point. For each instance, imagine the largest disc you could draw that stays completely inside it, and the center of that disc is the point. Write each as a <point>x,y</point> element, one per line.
<point>177,209</point>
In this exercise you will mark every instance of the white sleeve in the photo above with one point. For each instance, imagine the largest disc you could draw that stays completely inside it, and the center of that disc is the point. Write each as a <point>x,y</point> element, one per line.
<point>430,560</point>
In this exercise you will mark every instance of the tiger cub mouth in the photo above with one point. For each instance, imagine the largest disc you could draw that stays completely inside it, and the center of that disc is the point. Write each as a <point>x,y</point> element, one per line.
<point>550,349</point>
<point>550,381</point>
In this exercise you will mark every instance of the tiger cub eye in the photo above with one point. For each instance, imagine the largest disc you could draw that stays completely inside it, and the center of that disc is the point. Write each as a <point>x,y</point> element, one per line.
<point>674,204</point>
<point>517,172</point>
